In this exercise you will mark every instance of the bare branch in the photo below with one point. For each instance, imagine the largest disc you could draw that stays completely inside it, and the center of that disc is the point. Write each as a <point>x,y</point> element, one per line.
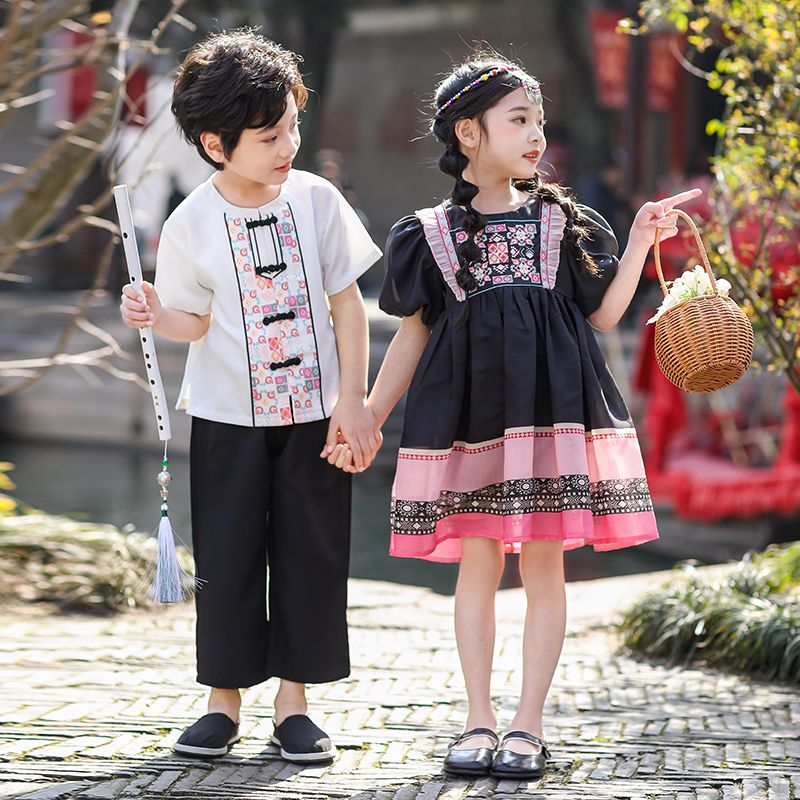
<point>54,173</point>
<point>9,34</point>
<point>54,14</point>
<point>24,65</point>
<point>29,100</point>
<point>69,329</point>
<point>13,277</point>
<point>58,359</point>
<point>46,196</point>
<point>14,169</point>
<point>103,336</point>
<point>87,375</point>
<point>685,63</point>
<point>122,375</point>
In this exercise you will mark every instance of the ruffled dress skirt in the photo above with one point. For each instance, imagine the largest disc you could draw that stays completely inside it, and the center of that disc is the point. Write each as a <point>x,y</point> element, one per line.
<point>515,430</point>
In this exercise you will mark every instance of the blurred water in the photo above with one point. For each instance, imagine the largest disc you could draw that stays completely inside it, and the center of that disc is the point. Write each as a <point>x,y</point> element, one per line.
<point>117,485</point>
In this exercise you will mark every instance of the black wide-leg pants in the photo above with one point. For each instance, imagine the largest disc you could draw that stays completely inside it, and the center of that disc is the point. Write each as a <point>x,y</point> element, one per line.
<point>271,537</point>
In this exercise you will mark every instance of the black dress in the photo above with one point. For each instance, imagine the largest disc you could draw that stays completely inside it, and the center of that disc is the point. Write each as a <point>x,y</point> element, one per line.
<point>514,427</point>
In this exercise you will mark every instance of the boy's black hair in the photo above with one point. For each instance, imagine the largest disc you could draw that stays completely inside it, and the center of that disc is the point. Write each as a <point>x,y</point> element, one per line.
<point>475,104</point>
<point>232,81</point>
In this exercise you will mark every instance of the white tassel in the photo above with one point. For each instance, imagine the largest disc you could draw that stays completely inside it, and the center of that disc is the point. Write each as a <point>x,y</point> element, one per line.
<point>172,583</point>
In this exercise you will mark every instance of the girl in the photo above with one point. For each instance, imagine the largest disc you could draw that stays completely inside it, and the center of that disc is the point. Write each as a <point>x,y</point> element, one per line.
<point>516,438</point>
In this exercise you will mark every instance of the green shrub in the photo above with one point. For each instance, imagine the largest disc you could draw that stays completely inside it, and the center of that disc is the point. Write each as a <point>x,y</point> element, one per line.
<point>748,621</point>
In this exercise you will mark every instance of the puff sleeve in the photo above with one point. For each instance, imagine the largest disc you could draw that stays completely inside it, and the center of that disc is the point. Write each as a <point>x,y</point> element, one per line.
<point>588,289</point>
<point>413,280</point>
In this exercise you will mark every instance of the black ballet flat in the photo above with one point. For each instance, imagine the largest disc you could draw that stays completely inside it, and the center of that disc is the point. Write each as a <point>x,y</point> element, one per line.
<point>471,761</point>
<point>517,766</point>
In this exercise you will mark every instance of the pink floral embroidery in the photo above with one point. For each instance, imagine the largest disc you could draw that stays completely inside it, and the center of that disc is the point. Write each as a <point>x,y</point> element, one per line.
<point>291,393</point>
<point>509,253</point>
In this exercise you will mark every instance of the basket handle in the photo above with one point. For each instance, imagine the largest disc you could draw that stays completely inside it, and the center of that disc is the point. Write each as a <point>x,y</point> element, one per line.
<point>698,239</point>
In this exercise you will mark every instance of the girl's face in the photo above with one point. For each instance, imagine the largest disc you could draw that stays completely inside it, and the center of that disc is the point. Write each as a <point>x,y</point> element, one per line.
<point>511,141</point>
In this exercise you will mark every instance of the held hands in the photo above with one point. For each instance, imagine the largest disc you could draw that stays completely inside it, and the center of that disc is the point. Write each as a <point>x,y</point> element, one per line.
<point>653,216</point>
<point>139,311</point>
<point>354,435</point>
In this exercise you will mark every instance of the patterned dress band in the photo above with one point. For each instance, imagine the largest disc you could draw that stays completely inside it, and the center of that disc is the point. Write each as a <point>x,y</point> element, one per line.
<point>533,90</point>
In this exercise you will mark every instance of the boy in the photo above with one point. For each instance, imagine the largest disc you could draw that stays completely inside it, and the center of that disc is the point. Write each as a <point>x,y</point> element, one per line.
<point>257,269</point>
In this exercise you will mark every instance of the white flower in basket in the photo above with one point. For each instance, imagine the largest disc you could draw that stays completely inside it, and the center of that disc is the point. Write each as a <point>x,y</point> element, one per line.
<point>693,283</point>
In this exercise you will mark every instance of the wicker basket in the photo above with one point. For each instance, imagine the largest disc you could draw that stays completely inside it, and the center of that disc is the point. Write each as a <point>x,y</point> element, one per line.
<point>704,343</point>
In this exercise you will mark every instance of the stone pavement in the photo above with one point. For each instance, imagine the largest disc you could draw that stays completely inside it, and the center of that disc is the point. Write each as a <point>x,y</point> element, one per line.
<point>90,705</point>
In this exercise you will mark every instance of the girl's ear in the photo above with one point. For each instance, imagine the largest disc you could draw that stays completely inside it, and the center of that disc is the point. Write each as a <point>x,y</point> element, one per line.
<point>212,144</point>
<point>466,131</point>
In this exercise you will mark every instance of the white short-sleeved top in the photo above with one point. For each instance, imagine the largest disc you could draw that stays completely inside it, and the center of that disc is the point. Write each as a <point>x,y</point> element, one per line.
<point>269,356</point>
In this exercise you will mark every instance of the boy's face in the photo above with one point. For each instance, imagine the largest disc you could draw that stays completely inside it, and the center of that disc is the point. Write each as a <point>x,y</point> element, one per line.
<point>263,155</point>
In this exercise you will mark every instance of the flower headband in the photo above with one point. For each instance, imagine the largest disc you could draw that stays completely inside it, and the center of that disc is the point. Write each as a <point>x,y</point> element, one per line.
<point>532,89</point>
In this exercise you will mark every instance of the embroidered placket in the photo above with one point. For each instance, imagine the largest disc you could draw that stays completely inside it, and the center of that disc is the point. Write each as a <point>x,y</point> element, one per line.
<point>278,320</point>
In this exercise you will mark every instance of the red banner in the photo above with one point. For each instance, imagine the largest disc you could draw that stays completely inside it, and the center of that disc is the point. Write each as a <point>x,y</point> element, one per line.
<point>663,70</point>
<point>611,57</point>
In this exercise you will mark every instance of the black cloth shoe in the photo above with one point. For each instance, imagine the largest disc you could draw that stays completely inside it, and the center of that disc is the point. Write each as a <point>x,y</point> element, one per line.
<point>470,760</point>
<point>212,735</point>
<point>301,741</point>
<point>517,766</point>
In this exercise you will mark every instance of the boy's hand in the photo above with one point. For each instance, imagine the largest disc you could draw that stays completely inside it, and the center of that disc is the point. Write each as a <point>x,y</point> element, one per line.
<point>342,457</point>
<point>353,435</point>
<point>139,308</point>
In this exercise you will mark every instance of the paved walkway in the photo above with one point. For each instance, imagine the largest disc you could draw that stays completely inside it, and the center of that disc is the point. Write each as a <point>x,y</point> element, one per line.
<point>89,707</point>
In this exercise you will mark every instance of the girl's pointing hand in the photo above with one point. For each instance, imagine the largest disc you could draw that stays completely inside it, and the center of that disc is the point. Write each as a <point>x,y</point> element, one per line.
<point>655,216</point>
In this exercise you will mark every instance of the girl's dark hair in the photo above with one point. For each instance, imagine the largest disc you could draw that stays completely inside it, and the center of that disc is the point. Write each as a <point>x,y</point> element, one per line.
<point>474,104</point>
<point>231,81</point>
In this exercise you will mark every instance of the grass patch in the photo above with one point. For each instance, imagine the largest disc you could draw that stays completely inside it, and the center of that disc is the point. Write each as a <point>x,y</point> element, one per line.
<point>77,565</point>
<point>749,621</point>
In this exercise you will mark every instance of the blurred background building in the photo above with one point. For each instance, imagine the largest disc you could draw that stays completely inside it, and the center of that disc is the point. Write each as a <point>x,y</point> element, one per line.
<point>623,117</point>
<point>626,121</point>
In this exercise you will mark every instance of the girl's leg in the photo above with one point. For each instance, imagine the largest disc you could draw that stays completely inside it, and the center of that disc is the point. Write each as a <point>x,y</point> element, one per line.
<point>542,570</point>
<point>478,578</point>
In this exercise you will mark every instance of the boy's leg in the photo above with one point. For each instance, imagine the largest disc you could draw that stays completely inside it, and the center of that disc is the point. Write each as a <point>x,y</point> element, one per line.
<point>230,473</point>
<point>229,489</point>
<point>309,557</point>
<point>309,552</point>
